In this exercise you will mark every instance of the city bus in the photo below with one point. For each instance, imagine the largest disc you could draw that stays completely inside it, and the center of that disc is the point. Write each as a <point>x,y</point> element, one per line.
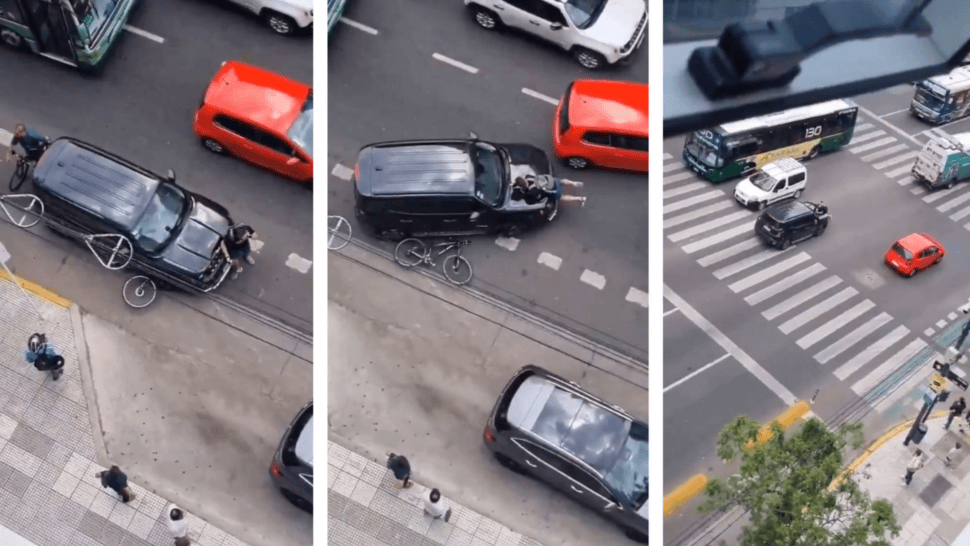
<point>75,32</point>
<point>731,149</point>
<point>942,99</point>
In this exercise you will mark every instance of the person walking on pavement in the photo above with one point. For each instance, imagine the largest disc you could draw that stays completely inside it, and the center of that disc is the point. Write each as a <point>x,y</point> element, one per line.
<point>952,455</point>
<point>915,464</point>
<point>44,356</point>
<point>235,245</point>
<point>401,467</point>
<point>433,507</point>
<point>955,411</point>
<point>117,481</point>
<point>177,525</point>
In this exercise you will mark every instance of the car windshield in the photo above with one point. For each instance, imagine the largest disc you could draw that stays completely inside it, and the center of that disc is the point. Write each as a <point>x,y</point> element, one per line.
<point>583,13</point>
<point>488,173</point>
<point>629,474</point>
<point>763,181</point>
<point>301,133</point>
<point>92,14</point>
<point>903,252</point>
<point>157,224</point>
<point>703,152</point>
<point>928,99</point>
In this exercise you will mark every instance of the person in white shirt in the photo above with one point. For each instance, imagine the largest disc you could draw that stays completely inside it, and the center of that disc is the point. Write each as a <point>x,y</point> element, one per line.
<point>177,525</point>
<point>433,507</point>
<point>915,464</point>
<point>952,454</point>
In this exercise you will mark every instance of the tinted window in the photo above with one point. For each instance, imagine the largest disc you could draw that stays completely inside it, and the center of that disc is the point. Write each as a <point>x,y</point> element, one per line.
<point>550,458</point>
<point>10,11</point>
<point>530,6</point>
<point>634,143</point>
<point>550,13</point>
<point>602,139</point>
<point>234,125</point>
<point>489,173</point>
<point>902,251</point>
<point>301,132</point>
<point>796,178</point>
<point>584,12</point>
<point>629,475</point>
<point>589,482</point>
<point>847,120</point>
<point>274,143</point>
<point>156,225</point>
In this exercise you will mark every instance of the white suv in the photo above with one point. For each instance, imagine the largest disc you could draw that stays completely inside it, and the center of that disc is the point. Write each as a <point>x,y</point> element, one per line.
<point>283,16</point>
<point>596,32</point>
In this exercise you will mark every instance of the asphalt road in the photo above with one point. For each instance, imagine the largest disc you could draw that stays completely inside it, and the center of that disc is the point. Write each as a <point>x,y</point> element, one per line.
<point>824,318</point>
<point>141,108</point>
<point>386,82</point>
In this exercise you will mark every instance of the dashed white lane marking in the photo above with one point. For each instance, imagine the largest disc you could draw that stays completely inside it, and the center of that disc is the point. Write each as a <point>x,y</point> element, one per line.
<point>358,26</point>
<point>540,96</point>
<point>638,296</point>
<point>668,156</point>
<point>256,245</point>
<point>456,64</point>
<point>508,243</point>
<point>928,332</point>
<point>593,279</point>
<point>695,372</point>
<point>145,34</point>
<point>897,111</point>
<point>6,137</point>
<point>550,260</point>
<point>672,311</point>
<point>941,324</point>
<point>296,262</point>
<point>344,173</point>
<point>952,316</point>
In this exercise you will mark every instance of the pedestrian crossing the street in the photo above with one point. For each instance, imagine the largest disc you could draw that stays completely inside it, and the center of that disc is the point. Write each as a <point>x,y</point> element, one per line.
<point>820,311</point>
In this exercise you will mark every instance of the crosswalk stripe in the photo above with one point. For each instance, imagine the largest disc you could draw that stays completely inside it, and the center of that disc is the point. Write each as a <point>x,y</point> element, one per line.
<point>871,145</point>
<point>966,226</point>
<point>678,177</point>
<point>862,138</point>
<point>863,127</point>
<point>939,194</point>
<point>817,310</point>
<point>707,226</point>
<point>667,156</point>
<point>870,352</point>
<point>673,167</point>
<point>906,180</point>
<point>695,214</point>
<point>852,338</point>
<point>831,326</point>
<point>685,189</point>
<point>719,238</point>
<point>768,272</point>
<point>684,203</point>
<point>908,156</point>
<point>801,297</point>
<point>784,284</point>
<point>884,152</point>
<point>952,203</point>
<point>888,366</point>
<point>732,250</point>
<point>919,190</point>
<point>907,168</point>
<point>962,213</point>
<point>752,260</point>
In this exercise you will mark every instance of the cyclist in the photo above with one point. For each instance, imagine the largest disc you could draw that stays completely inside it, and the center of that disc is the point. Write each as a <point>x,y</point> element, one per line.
<point>43,356</point>
<point>32,142</point>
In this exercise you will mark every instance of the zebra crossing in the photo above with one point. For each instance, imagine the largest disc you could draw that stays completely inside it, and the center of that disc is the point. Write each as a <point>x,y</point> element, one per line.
<point>821,312</point>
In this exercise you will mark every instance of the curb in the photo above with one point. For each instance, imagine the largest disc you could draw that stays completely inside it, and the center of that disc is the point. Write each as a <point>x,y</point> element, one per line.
<point>87,385</point>
<point>684,494</point>
<point>788,418</point>
<point>38,291</point>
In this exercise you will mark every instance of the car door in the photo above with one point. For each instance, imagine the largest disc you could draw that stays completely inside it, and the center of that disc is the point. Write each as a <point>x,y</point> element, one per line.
<point>808,226</point>
<point>533,16</point>
<point>588,490</point>
<point>795,182</point>
<point>599,150</point>
<point>236,135</point>
<point>541,463</point>
<point>778,192</point>
<point>276,154</point>
<point>928,257</point>
<point>631,152</point>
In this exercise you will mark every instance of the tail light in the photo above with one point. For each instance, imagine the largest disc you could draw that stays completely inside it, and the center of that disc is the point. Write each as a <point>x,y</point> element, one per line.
<point>357,171</point>
<point>489,435</point>
<point>275,469</point>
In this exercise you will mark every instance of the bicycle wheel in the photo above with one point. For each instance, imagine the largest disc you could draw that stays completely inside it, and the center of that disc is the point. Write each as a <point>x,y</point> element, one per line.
<point>339,232</point>
<point>139,291</point>
<point>18,176</point>
<point>457,269</point>
<point>409,252</point>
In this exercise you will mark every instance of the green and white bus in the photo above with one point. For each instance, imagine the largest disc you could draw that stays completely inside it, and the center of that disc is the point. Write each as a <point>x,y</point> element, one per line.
<point>734,148</point>
<point>75,32</point>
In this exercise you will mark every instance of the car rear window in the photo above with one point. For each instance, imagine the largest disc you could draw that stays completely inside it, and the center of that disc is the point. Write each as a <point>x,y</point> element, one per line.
<point>564,111</point>
<point>903,252</point>
<point>304,443</point>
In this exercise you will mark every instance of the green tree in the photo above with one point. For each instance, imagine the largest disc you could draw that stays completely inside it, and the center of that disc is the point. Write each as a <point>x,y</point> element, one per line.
<point>784,485</point>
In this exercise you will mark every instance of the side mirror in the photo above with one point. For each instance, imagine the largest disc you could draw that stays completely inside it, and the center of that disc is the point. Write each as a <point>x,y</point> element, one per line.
<point>171,176</point>
<point>473,135</point>
<point>555,26</point>
<point>292,161</point>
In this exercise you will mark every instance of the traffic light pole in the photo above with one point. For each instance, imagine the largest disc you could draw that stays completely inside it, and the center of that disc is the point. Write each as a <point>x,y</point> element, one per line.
<point>944,369</point>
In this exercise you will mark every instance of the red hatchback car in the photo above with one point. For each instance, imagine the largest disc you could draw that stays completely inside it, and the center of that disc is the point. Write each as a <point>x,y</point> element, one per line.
<point>914,253</point>
<point>603,123</point>
<point>260,117</point>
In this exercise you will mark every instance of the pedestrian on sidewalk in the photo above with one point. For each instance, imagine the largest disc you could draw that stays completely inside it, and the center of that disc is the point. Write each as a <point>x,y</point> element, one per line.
<point>915,464</point>
<point>401,467</point>
<point>44,356</point>
<point>117,481</point>
<point>955,411</point>
<point>235,245</point>
<point>177,525</point>
<point>952,455</point>
<point>433,507</point>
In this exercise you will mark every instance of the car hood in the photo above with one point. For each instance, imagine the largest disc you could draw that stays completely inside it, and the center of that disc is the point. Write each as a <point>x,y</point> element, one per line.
<point>305,5</point>
<point>526,159</point>
<point>748,189</point>
<point>194,246</point>
<point>616,25</point>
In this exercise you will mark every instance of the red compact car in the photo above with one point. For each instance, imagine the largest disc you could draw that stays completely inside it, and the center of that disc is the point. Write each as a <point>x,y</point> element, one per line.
<point>259,117</point>
<point>603,123</point>
<point>914,253</point>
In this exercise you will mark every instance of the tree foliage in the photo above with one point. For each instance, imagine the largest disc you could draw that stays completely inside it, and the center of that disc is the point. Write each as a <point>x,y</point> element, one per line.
<point>783,485</point>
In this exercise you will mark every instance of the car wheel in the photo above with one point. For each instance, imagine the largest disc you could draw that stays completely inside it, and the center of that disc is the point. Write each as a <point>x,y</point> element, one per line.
<point>637,536</point>
<point>820,230</point>
<point>280,23</point>
<point>510,230</point>
<point>783,244</point>
<point>814,153</point>
<point>392,235</point>
<point>485,18</point>
<point>297,501</point>
<point>12,39</point>
<point>797,194</point>
<point>590,60</point>
<point>761,205</point>
<point>950,184</point>
<point>577,163</point>
<point>214,146</point>
<point>509,463</point>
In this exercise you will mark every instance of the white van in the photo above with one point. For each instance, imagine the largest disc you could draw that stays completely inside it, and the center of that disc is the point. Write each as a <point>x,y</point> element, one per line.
<point>944,160</point>
<point>776,181</point>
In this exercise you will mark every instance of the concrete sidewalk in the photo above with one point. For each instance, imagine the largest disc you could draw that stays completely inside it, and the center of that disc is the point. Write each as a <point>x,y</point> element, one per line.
<point>48,457</point>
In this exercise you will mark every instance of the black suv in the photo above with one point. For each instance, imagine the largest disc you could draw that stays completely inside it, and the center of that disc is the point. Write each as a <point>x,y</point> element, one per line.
<point>175,233</point>
<point>448,188</point>
<point>292,466</point>
<point>792,221</point>
<point>551,429</point>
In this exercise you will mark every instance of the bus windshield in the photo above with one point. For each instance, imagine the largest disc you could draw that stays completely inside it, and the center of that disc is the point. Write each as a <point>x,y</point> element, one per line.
<point>703,152</point>
<point>92,14</point>
<point>928,98</point>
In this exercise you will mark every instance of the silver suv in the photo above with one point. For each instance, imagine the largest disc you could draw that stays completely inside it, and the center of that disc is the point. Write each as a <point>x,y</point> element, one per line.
<point>596,32</point>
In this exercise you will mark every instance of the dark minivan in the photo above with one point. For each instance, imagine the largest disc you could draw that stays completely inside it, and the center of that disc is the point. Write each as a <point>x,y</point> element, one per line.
<point>789,222</point>
<point>292,466</point>
<point>175,233</point>
<point>449,188</point>
<point>550,428</point>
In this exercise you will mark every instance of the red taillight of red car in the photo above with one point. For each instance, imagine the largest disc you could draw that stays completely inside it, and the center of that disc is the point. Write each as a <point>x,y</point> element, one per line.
<point>357,171</point>
<point>489,435</point>
<point>275,469</point>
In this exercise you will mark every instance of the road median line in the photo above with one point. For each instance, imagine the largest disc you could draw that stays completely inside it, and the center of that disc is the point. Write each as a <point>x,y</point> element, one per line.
<point>789,417</point>
<point>38,290</point>
<point>684,494</point>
